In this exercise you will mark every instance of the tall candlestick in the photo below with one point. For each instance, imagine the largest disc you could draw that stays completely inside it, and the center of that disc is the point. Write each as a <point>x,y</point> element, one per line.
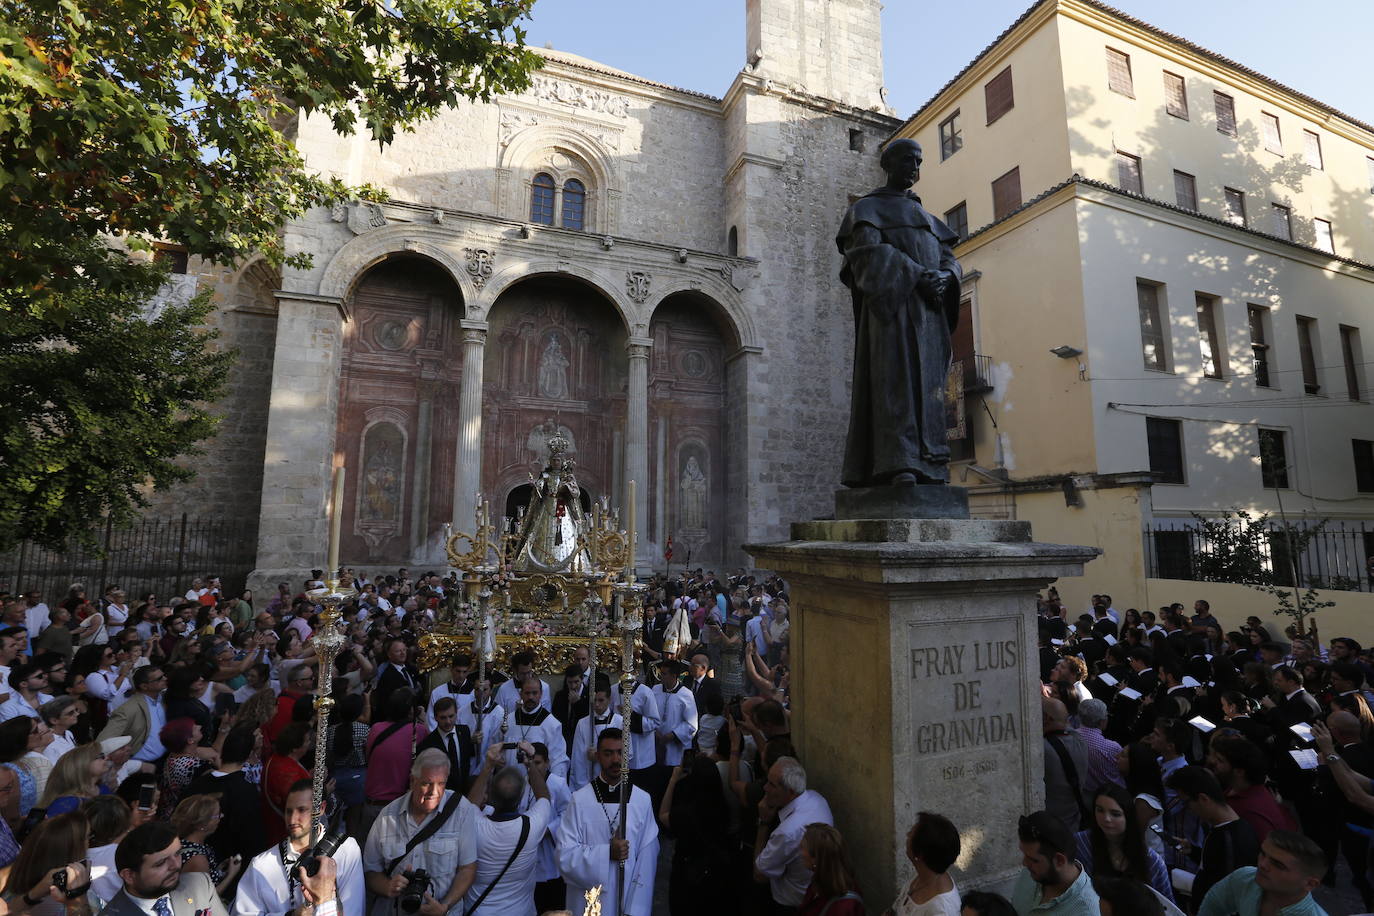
<point>335,524</point>
<point>630,527</point>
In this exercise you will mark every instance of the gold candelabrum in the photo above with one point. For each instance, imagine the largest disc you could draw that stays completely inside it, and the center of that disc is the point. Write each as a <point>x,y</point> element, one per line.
<point>328,641</point>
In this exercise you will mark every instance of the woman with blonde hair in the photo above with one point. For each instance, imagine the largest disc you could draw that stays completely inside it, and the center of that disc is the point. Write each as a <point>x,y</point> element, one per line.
<point>257,710</point>
<point>834,891</point>
<point>76,776</point>
<point>194,819</point>
<point>55,843</point>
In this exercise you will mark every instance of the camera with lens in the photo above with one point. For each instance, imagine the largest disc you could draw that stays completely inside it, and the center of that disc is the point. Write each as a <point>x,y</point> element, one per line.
<point>327,846</point>
<point>414,895</point>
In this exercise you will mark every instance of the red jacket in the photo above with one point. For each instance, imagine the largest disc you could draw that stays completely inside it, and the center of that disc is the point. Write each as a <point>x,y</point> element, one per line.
<point>285,704</point>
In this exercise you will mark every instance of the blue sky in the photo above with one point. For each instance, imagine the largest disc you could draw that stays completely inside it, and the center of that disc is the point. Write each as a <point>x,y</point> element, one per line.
<point>700,44</point>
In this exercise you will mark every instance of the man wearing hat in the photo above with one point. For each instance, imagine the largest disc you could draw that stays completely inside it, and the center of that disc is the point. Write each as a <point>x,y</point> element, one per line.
<point>1053,879</point>
<point>677,725</point>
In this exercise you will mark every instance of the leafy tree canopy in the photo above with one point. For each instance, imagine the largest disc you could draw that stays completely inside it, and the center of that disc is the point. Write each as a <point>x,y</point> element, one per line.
<point>165,119</point>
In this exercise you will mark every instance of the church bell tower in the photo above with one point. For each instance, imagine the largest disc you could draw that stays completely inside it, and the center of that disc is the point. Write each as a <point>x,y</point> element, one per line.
<point>827,48</point>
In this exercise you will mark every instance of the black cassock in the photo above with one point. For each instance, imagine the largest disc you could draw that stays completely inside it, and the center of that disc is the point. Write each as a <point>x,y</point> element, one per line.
<point>895,255</point>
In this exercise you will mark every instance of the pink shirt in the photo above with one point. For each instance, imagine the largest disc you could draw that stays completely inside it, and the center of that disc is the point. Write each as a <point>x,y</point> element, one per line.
<point>388,763</point>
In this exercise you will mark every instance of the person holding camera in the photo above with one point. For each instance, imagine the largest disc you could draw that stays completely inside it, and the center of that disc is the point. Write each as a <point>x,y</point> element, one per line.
<point>508,839</point>
<point>272,884</point>
<point>421,854</point>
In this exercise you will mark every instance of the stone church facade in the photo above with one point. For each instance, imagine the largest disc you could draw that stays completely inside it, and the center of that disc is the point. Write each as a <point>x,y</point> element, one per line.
<point>647,269</point>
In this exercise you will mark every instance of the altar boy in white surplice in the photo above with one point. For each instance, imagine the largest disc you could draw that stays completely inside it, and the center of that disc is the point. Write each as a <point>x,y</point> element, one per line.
<point>588,852</point>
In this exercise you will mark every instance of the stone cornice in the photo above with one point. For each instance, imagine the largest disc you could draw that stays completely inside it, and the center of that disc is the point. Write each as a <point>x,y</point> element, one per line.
<point>750,83</point>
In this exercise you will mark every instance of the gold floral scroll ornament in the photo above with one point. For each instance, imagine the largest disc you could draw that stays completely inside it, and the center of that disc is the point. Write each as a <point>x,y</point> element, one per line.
<point>552,654</point>
<point>476,554</point>
<point>609,549</point>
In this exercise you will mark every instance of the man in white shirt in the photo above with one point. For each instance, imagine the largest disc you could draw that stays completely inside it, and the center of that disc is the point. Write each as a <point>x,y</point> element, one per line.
<point>522,666</point>
<point>36,615</point>
<point>529,722</point>
<point>271,886</point>
<point>196,590</point>
<point>582,761</point>
<point>779,861</point>
<point>448,855</point>
<point>677,725</point>
<point>457,686</point>
<point>26,682</point>
<point>508,841</point>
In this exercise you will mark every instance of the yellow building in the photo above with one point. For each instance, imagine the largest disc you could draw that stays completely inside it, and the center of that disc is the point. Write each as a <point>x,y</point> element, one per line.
<point>1168,261</point>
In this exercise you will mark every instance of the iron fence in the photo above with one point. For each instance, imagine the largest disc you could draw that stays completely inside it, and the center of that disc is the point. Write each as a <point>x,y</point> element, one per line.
<point>159,555</point>
<point>1337,555</point>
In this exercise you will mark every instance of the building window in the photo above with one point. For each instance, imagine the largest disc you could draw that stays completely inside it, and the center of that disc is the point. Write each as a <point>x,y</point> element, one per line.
<point>541,199</point>
<point>1364,464</point>
<point>1208,341</point>
<point>997,95</point>
<point>1307,352</point>
<point>1154,343</point>
<point>1283,221</point>
<point>1173,554</point>
<point>1312,149</point>
<point>1353,356</point>
<point>1259,343</point>
<point>1235,206</point>
<point>1175,95</point>
<point>856,140</point>
<point>1273,459</point>
<point>1165,441</point>
<point>732,242</point>
<point>1006,193</point>
<point>1273,140</point>
<point>1119,72</point>
<point>1323,230</point>
<point>951,136</point>
<point>1226,113</point>
<point>1185,190</point>
<point>574,204</point>
<point>957,220</point>
<point>1128,173</point>
<point>176,258</point>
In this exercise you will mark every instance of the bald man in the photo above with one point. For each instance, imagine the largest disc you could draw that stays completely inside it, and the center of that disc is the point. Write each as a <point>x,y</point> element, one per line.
<point>1066,767</point>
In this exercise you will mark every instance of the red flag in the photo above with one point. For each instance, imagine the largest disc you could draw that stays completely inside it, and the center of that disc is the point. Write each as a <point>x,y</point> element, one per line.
<point>668,550</point>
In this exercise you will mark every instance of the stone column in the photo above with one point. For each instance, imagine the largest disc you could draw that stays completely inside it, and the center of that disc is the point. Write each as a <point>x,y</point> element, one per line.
<point>915,682</point>
<point>293,531</point>
<point>468,471</point>
<point>637,440</point>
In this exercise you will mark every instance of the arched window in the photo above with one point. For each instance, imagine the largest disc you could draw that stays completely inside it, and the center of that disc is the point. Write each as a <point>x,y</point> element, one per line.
<point>541,199</point>
<point>732,242</point>
<point>574,204</point>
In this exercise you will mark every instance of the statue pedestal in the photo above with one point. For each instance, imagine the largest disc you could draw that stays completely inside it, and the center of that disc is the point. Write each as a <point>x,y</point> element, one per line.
<point>916,682</point>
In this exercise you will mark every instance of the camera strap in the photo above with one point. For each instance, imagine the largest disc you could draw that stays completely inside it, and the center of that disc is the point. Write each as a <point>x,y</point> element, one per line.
<point>524,835</point>
<point>425,832</point>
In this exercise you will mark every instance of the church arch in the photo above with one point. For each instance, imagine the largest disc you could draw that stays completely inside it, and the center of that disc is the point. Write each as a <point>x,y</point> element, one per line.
<point>402,240</point>
<point>509,276</point>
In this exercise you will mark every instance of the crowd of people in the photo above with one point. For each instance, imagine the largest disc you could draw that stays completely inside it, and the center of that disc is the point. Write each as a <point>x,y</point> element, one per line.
<point>158,756</point>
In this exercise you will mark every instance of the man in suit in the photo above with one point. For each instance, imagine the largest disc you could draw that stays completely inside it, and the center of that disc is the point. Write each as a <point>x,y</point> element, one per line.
<point>702,685</point>
<point>149,863</point>
<point>571,703</point>
<point>1297,704</point>
<point>454,739</point>
<point>396,672</point>
<point>142,716</point>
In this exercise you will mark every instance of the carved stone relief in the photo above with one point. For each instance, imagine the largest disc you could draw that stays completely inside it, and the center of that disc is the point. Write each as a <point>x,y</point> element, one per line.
<point>580,96</point>
<point>366,217</point>
<point>481,262</point>
<point>637,284</point>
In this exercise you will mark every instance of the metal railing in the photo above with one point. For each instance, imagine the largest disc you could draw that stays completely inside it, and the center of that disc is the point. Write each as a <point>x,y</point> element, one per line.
<point>977,374</point>
<point>1339,555</point>
<point>152,555</point>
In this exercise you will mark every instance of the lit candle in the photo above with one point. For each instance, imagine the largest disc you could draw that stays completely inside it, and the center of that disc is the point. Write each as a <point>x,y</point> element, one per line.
<point>335,524</point>
<point>630,527</point>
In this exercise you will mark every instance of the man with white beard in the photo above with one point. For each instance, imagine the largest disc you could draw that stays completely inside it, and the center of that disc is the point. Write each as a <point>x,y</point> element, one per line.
<point>592,855</point>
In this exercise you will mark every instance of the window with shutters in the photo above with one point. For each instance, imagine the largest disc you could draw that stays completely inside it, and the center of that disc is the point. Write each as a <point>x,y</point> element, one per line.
<point>1175,95</point>
<point>1283,221</point>
<point>541,199</point>
<point>1307,353</point>
<point>1208,342</point>
<point>1185,190</point>
<point>1164,439</point>
<point>1273,459</point>
<point>1226,113</point>
<point>1352,357</point>
<point>951,136</point>
<point>1312,148</point>
<point>1119,72</point>
<point>1154,342</point>
<point>1006,193</point>
<point>956,219</point>
<point>1128,173</point>
<point>997,95</point>
<point>1364,464</point>
<point>1235,206</point>
<point>1258,317</point>
<point>1273,140</point>
<point>1324,239</point>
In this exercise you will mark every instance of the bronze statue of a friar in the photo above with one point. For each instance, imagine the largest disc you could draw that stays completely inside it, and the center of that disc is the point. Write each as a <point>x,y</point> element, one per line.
<point>899,266</point>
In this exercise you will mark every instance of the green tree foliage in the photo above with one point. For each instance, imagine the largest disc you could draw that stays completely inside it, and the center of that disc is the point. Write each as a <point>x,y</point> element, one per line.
<point>135,118</point>
<point>100,406</point>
